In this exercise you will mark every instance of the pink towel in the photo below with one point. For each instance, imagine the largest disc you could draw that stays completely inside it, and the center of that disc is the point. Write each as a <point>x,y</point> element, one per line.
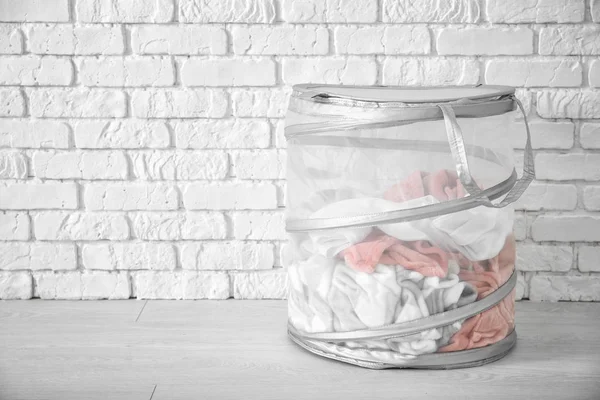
<point>379,248</point>
<point>496,323</point>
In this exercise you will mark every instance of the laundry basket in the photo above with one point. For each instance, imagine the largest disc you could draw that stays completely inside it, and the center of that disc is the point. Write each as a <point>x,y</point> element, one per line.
<point>399,219</point>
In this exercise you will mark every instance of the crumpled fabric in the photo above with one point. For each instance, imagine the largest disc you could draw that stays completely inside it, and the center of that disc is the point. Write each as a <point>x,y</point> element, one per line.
<point>355,278</point>
<point>379,248</point>
<point>444,185</point>
<point>477,233</point>
<point>326,295</point>
<point>496,323</point>
<point>330,242</point>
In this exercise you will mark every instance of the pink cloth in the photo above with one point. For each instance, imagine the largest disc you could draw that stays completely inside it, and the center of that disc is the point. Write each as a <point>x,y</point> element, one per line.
<point>496,323</point>
<point>379,248</point>
<point>481,330</point>
<point>418,256</point>
<point>443,185</point>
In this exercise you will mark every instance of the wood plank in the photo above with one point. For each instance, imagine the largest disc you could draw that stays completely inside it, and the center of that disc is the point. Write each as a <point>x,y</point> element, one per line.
<point>58,311</point>
<point>81,390</point>
<point>230,349</point>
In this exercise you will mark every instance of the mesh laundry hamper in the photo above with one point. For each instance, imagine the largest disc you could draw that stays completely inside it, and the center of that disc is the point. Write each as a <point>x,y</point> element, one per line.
<point>399,218</point>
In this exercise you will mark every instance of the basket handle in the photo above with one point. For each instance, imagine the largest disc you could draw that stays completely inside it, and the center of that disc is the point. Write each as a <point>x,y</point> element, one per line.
<point>459,154</point>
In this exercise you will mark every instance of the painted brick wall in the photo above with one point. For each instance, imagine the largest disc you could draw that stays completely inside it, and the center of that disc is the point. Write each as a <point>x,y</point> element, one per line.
<point>141,146</point>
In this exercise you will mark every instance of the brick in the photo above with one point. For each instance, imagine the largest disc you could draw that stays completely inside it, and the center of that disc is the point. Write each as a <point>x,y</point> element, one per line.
<point>544,135</point>
<point>12,103</point>
<point>520,226</point>
<point>134,71</point>
<point>205,285</point>
<point>451,11</point>
<point>521,289</point>
<point>430,71</point>
<point>526,98</point>
<point>130,196</point>
<point>198,103</point>
<point>547,196</point>
<point>38,256</point>
<point>84,165</point>
<point>536,257</point>
<point>589,259</point>
<point>108,11</point>
<point>129,256</point>
<point>60,225</point>
<point>562,167</point>
<point>280,141</point>
<point>68,39</point>
<point>260,285</point>
<point>589,136</point>
<point>34,10</point>
<point>329,11</point>
<point>240,11</point>
<point>179,226</point>
<point>178,39</point>
<point>259,226</point>
<point>83,285</point>
<point>346,71</point>
<point>382,40</point>
<point>228,72</point>
<point>595,10</point>
<point>222,134</point>
<point>179,165</point>
<point>271,103</point>
<point>563,103</point>
<point>281,193</point>
<point>158,285</point>
<point>13,165</point>
<point>11,39</point>
<point>181,285</point>
<point>23,133</point>
<point>33,70</point>
<point>227,256</point>
<point>78,103</point>
<point>261,164</point>
<point>14,226</point>
<point>485,41</point>
<point>280,40</point>
<point>594,74</point>
<point>31,196</point>
<point>533,73</point>
<point>537,11</point>
<point>125,134</point>
<point>566,228</point>
<point>229,196</point>
<point>570,288</point>
<point>569,40</point>
<point>591,198</point>
<point>16,285</point>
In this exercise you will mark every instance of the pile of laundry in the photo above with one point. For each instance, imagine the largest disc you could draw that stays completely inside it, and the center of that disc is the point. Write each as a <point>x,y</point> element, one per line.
<point>349,279</point>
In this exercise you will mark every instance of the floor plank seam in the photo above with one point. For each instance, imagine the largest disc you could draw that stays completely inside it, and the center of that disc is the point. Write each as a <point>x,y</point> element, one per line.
<point>141,311</point>
<point>153,390</point>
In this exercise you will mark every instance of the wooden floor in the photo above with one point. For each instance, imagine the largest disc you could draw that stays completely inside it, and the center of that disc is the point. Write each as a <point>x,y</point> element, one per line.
<point>176,350</point>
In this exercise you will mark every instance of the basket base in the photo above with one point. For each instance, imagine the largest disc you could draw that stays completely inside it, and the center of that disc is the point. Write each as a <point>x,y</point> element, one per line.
<point>451,360</point>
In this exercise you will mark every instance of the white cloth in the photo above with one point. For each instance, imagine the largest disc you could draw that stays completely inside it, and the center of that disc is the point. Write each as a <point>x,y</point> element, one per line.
<point>328,296</point>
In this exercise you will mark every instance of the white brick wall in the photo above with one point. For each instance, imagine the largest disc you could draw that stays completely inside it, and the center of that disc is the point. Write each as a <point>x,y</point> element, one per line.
<point>142,150</point>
